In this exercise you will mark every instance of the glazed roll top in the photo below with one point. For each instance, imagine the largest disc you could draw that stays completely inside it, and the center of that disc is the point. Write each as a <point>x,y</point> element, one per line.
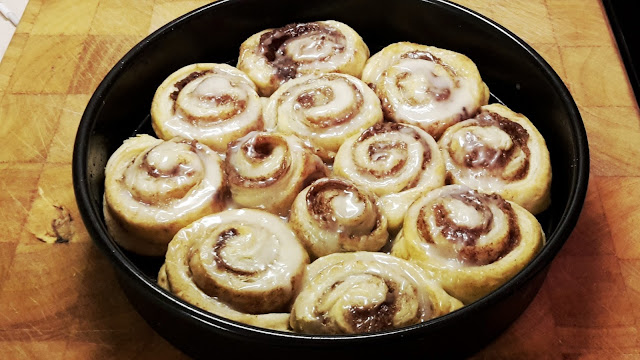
<point>324,110</point>
<point>212,103</point>
<point>243,264</point>
<point>268,170</point>
<point>365,292</point>
<point>425,86</point>
<point>500,151</point>
<point>471,242</point>
<point>398,162</point>
<point>154,187</point>
<point>275,56</point>
<point>333,215</point>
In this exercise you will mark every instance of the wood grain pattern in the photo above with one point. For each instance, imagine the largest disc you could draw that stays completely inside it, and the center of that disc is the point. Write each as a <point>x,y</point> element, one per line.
<point>61,301</point>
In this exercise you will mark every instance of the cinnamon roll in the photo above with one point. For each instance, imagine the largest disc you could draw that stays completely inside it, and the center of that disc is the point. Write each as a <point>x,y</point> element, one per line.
<point>365,292</point>
<point>398,162</point>
<point>324,110</point>
<point>425,86</point>
<point>268,170</point>
<point>212,103</point>
<point>275,56</point>
<point>153,188</point>
<point>471,242</point>
<point>244,265</point>
<point>333,215</point>
<point>500,151</point>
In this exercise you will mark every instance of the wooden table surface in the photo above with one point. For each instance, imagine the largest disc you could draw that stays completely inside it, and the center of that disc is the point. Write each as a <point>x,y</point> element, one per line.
<point>61,300</point>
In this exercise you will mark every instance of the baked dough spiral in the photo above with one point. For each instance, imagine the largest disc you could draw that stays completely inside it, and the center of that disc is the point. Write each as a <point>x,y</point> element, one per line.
<point>324,110</point>
<point>212,103</point>
<point>500,151</point>
<point>153,188</point>
<point>333,215</point>
<point>364,292</point>
<point>471,242</point>
<point>275,56</point>
<point>398,162</point>
<point>425,86</point>
<point>242,264</point>
<point>268,170</point>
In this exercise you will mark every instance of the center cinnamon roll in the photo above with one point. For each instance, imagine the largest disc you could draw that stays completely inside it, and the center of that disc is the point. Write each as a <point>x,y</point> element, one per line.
<point>398,162</point>
<point>275,56</point>
<point>333,215</point>
<point>268,170</point>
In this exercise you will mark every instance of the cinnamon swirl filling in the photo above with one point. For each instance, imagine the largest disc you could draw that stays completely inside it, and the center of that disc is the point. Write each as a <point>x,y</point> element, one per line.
<point>155,187</point>
<point>425,86</point>
<point>323,109</point>
<point>245,265</point>
<point>213,103</point>
<point>482,154</point>
<point>365,292</point>
<point>273,57</point>
<point>396,161</point>
<point>333,215</point>
<point>288,47</point>
<point>499,151</point>
<point>261,164</point>
<point>470,241</point>
<point>466,238</point>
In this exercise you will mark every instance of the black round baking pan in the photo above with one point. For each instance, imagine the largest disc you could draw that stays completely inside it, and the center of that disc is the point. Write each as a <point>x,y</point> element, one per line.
<point>515,73</point>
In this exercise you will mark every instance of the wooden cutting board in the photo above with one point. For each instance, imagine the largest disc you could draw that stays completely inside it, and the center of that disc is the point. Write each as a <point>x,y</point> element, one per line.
<point>61,300</point>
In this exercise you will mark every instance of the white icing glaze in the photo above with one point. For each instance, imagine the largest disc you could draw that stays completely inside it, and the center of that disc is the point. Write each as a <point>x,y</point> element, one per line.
<point>194,101</point>
<point>334,48</point>
<point>463,214</point>
<point>460,214</point>
<point>311,107</point>
<point>347,205</point>
<point>337,283</point>
<point>216,107</point>
<point>148,197</point>
<point>415,103</point>
<point>318,50</point>
<point>265,246</point>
